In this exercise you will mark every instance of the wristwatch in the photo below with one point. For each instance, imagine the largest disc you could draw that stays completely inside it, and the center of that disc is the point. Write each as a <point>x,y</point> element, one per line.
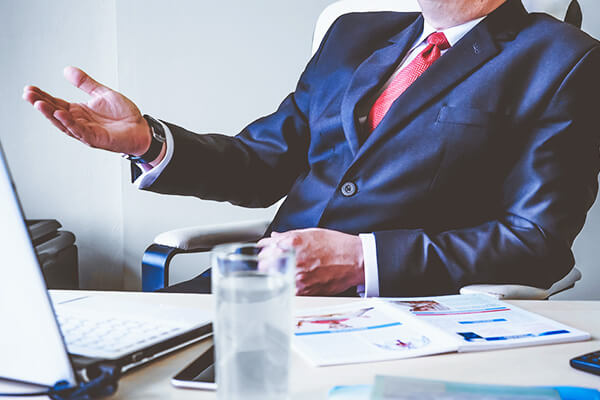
<point>158,138</point>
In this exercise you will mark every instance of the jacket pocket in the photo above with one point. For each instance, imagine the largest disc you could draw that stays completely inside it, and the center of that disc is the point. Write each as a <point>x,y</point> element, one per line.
<point>469,116</point>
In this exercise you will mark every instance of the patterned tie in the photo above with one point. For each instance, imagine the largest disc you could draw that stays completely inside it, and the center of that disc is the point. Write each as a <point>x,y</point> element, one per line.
<point>436,43</point>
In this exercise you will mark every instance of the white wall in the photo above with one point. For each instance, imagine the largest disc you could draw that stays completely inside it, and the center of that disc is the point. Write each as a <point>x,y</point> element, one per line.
<point>57,177</point>
<point>591,17</point>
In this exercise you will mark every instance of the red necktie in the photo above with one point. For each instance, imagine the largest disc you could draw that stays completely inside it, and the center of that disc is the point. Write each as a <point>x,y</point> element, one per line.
<point>436,42</point>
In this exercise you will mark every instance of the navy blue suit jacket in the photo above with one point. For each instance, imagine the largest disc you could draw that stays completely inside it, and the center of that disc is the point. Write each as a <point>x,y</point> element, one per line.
<point>482,171</point>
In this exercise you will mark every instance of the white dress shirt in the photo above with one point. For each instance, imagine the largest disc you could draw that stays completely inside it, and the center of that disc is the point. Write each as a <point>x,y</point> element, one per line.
<point>371,286</point>
<point>454,34</point>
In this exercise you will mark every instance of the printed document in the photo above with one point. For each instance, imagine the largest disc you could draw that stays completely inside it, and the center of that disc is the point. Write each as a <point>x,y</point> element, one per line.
<point>396,328</point>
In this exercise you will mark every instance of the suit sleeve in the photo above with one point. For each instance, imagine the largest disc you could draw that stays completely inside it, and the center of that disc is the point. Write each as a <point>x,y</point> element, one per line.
<point>546,197</point>
<point>257,167</point>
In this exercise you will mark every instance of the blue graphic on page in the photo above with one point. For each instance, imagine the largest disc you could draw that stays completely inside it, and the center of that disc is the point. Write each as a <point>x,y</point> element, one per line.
<point>365,328</point>
<point>474,337</point>
<point>342,321</point>
<point>482,321</point>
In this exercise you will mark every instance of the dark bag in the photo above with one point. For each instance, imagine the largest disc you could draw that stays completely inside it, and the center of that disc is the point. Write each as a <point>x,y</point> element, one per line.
<point>57,253</point>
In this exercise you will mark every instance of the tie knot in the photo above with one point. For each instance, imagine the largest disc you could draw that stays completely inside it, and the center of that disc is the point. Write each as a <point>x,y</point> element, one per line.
<point>439,40</point>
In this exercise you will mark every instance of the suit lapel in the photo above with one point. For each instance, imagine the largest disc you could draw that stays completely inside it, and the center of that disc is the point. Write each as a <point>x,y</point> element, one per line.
<point>371,74</point>
<point>471,51</point>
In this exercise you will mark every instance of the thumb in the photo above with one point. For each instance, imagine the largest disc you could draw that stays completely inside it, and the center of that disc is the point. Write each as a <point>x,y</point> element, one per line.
<point>83,81</point>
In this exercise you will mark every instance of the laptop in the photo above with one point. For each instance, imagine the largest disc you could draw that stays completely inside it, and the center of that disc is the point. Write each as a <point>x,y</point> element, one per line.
<point>48,337</point>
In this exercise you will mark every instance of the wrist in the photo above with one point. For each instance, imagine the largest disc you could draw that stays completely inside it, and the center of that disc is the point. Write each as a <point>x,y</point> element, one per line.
<point>155,149</point>
<point>144,138</point>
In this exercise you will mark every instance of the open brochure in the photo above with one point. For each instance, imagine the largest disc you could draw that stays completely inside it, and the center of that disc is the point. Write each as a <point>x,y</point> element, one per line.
<point>396,328</point>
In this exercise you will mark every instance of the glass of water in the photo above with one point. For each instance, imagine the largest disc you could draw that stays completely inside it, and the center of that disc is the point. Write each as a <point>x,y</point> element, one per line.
<point>253,289</point>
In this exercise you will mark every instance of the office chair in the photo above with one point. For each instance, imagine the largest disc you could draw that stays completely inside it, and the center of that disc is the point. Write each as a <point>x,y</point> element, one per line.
<point>157,257</point>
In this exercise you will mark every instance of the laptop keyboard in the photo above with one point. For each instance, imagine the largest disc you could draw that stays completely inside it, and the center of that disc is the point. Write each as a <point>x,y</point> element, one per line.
<point>111,337</point>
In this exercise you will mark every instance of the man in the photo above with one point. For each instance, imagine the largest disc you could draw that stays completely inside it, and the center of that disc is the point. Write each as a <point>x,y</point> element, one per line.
<point>461,142</point>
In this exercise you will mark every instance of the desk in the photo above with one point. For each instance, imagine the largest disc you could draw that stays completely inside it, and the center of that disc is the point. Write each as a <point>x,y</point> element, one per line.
<point>542,365</point>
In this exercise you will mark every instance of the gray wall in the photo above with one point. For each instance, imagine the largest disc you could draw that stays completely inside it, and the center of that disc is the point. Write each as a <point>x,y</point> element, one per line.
<point>209,66</point>
<point>56,176</point>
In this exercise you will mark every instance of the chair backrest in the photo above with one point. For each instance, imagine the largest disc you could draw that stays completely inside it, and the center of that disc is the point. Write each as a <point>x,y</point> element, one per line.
<point>334,10</point>
<point>557,8</point>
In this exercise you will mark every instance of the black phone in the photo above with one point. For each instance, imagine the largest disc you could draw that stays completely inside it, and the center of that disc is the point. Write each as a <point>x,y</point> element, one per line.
<point>589,362</point>
<point>200,374</point>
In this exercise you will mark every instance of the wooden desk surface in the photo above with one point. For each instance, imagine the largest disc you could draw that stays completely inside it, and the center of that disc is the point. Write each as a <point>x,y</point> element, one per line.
<point>541,365</point>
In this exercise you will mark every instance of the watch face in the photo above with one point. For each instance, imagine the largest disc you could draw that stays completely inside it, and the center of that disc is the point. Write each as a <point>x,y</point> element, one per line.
<point>157,130</point>
<point>157,135</point>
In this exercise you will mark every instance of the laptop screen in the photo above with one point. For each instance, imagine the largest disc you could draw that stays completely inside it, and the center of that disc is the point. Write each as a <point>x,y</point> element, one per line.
<point>31,346</point>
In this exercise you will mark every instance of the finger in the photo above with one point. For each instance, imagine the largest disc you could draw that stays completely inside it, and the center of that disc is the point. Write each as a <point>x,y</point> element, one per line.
<point>305,285</point>
<point>79,131</point>
<point>35,93</point>
<point>33,96</point>
<point>292,238</point>
<point>271,258</point>
<point>80,113</point>
<point>307,260</point>
<point>300,287</point>
<point>308,291</point>
<point>265,242</point>
<point>302,283</point>
<point>83,81</point>
<point>47,110</point>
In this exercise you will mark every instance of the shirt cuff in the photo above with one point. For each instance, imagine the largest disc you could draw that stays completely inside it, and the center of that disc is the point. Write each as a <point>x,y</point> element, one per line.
<point>369,247</point>
<point>149,173</point>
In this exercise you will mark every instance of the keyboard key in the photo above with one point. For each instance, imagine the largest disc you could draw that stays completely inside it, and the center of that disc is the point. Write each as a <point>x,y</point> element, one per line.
<point>111,335</point>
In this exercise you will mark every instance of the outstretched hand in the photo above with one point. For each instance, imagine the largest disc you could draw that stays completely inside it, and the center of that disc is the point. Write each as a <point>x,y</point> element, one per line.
<point>327,262</point>
<point>108,121</point>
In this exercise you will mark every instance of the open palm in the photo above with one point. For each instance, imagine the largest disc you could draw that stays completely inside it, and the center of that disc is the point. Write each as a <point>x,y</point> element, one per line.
<point>108,120</point>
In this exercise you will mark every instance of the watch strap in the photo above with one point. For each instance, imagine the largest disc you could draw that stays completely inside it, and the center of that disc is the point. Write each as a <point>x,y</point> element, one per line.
<point>157,137</point>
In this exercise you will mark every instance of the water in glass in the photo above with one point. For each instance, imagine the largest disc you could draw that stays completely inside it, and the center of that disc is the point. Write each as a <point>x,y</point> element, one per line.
<point>253,332</point>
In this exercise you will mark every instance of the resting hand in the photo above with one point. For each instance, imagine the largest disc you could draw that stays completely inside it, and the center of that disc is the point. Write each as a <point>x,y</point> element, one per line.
<point>108,120</point>
<point>328,262</point>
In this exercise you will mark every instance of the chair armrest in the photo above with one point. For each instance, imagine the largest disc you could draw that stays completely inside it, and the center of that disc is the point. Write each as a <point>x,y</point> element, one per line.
<point>157,257</point>
<point>206,237</point>
<point>506,292</point>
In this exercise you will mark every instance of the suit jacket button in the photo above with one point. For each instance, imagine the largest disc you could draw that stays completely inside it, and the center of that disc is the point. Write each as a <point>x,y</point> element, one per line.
<point>348,189</point>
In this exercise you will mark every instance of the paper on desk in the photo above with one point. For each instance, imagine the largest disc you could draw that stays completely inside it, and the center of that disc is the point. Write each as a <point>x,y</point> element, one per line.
<point>482,322</point>
<point>365,331</point>
<point>396,328</point>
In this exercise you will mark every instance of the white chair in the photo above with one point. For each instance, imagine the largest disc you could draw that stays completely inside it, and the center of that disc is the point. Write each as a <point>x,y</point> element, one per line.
<point>157,257</point>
